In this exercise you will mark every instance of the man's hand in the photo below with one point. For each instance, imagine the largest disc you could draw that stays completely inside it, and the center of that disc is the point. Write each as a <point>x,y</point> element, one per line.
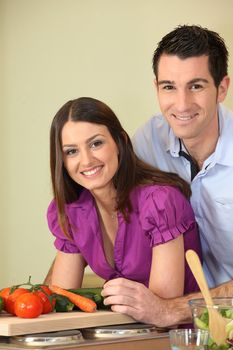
<point>134,299</point>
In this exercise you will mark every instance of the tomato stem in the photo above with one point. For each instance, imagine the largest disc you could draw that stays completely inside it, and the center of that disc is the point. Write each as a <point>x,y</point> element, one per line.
<point>34,288</point>
<point>28,283</point>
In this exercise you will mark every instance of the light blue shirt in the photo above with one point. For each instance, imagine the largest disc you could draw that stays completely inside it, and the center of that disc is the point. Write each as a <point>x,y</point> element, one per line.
<point>212,188</point>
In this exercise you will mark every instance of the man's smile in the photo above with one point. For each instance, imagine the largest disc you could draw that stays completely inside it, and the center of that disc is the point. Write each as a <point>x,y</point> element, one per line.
<point>184,117</point>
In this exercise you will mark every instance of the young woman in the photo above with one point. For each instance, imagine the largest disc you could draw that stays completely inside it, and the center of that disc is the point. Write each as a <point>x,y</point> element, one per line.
<point>111,210</point>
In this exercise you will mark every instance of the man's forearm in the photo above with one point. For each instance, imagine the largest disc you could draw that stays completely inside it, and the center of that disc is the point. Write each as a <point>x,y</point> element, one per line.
<point>176,311</point>
<point>223,290</point>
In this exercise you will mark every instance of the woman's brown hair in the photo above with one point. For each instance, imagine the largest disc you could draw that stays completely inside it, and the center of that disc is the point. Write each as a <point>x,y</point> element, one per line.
<point>131,170</point>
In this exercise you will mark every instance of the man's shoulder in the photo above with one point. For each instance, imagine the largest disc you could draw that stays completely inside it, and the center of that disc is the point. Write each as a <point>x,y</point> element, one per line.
<point>156,120</point>
<point>226,121</point>
<point>156,125</point>
<point>151,142</point>
<point>225,113</point>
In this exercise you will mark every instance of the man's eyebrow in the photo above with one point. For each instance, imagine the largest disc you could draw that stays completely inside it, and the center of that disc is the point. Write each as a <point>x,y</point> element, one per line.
<point>193,81</point>
<point>162,82</point>
<point>198,80</point>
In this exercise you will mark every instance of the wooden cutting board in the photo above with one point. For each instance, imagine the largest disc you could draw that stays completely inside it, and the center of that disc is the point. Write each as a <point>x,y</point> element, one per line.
<point>12,325</point>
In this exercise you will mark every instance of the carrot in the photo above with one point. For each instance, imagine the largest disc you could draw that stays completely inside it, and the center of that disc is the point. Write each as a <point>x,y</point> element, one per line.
<point>83,303</point>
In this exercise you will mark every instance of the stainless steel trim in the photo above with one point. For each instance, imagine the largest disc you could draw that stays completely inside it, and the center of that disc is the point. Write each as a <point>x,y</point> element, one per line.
<point>48,339</point>
<point>118,331</point>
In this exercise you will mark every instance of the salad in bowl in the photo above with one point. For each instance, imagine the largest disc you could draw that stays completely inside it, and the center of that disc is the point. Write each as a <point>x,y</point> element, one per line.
<point>201,319</point>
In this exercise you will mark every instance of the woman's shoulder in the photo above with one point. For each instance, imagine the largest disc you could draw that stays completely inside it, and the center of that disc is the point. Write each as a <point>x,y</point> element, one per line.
<point>162,192</point>
<point>152,199</point>
<point>164,212</point>
<point>83,204</point>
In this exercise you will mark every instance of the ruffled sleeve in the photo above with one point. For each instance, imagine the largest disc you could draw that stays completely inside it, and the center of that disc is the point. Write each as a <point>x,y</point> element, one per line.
<point>61,242</point>
<point>165,214</point>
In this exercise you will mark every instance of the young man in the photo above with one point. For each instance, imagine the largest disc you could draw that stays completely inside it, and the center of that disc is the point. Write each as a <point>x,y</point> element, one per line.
<point>192,137</point>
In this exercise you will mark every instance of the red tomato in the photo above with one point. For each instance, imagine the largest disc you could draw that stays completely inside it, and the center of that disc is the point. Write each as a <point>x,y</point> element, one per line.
<point>4,293</point>
<point>48,305</point>
<point>10,301</point>
<point>28,305</point>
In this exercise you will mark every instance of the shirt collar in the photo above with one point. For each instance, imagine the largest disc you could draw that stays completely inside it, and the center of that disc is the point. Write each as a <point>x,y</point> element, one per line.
<point>85,200</point>
<point>221,155</point>
<point>173,144</point>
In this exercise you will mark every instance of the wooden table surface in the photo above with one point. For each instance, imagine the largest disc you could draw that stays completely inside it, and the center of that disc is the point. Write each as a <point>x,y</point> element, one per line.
<point>56,321</point>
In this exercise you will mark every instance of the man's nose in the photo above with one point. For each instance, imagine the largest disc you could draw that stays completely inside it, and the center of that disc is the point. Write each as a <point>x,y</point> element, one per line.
<point>183,100</point>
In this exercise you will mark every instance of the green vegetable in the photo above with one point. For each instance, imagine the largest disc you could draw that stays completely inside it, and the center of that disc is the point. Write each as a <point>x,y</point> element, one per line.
<point>63,304</point>
<point>219,347</point>
<point>205,317</point>
<point>90,293</point>
<point>202,322</point>
<point>82,291</point>
<point>93,294</point>
<point>229,314</point>
<point>1,304</point>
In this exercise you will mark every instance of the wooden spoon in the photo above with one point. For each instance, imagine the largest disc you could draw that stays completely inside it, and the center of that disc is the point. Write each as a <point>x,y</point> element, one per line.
<point>217,323</point>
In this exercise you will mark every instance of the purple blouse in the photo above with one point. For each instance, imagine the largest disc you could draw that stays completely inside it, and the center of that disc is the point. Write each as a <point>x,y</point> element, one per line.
<point>160,214</point>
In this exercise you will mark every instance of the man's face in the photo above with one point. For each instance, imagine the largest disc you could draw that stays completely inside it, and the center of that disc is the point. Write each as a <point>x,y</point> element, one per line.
<point>188,97</point>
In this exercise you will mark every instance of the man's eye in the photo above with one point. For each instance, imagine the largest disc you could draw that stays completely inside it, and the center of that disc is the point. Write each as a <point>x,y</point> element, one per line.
<point>196,87</point>
<point>168,87</point>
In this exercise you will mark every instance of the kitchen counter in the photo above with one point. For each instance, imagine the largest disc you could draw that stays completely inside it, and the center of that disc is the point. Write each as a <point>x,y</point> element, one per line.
<point>11,326</point>
<point>154,341</point>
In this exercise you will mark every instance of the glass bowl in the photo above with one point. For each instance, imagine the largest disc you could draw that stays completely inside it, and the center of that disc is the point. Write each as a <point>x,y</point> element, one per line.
<point>201,318</point>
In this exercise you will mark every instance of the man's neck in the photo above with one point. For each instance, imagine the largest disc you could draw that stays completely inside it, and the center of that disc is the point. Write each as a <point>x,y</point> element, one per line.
<point>201,147</point>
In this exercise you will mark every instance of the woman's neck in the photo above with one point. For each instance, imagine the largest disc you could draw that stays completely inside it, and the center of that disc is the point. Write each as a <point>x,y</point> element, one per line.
<point>105,200</point>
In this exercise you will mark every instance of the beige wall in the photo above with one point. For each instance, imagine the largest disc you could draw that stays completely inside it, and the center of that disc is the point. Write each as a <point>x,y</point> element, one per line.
<point>55,50</point>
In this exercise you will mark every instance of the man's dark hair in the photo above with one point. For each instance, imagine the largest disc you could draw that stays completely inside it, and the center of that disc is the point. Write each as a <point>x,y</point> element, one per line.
<point>189,41</point>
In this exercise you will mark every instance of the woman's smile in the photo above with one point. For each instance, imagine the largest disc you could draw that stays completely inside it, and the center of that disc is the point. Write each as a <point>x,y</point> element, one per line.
<point>92,171</point>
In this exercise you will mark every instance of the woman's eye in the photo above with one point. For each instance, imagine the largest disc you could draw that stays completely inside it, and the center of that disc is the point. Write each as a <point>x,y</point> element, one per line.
<point>71,152</point>
<point>96,143</point>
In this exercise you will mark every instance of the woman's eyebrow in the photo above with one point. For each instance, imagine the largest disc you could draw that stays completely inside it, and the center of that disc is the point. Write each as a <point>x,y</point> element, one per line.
<point>93,137</point>
<point>69,145</point>
<point>87,141</point>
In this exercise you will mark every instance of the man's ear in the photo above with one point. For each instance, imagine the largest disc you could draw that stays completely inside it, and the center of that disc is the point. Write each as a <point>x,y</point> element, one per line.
<point>155,84</point>
<point>223,88</point>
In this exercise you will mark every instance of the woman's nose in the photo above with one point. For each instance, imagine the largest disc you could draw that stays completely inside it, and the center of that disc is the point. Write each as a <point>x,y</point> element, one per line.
<point>86,157</point>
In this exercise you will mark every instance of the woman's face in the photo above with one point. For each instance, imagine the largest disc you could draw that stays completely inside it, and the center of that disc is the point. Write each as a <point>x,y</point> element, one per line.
<point>90,154</point>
